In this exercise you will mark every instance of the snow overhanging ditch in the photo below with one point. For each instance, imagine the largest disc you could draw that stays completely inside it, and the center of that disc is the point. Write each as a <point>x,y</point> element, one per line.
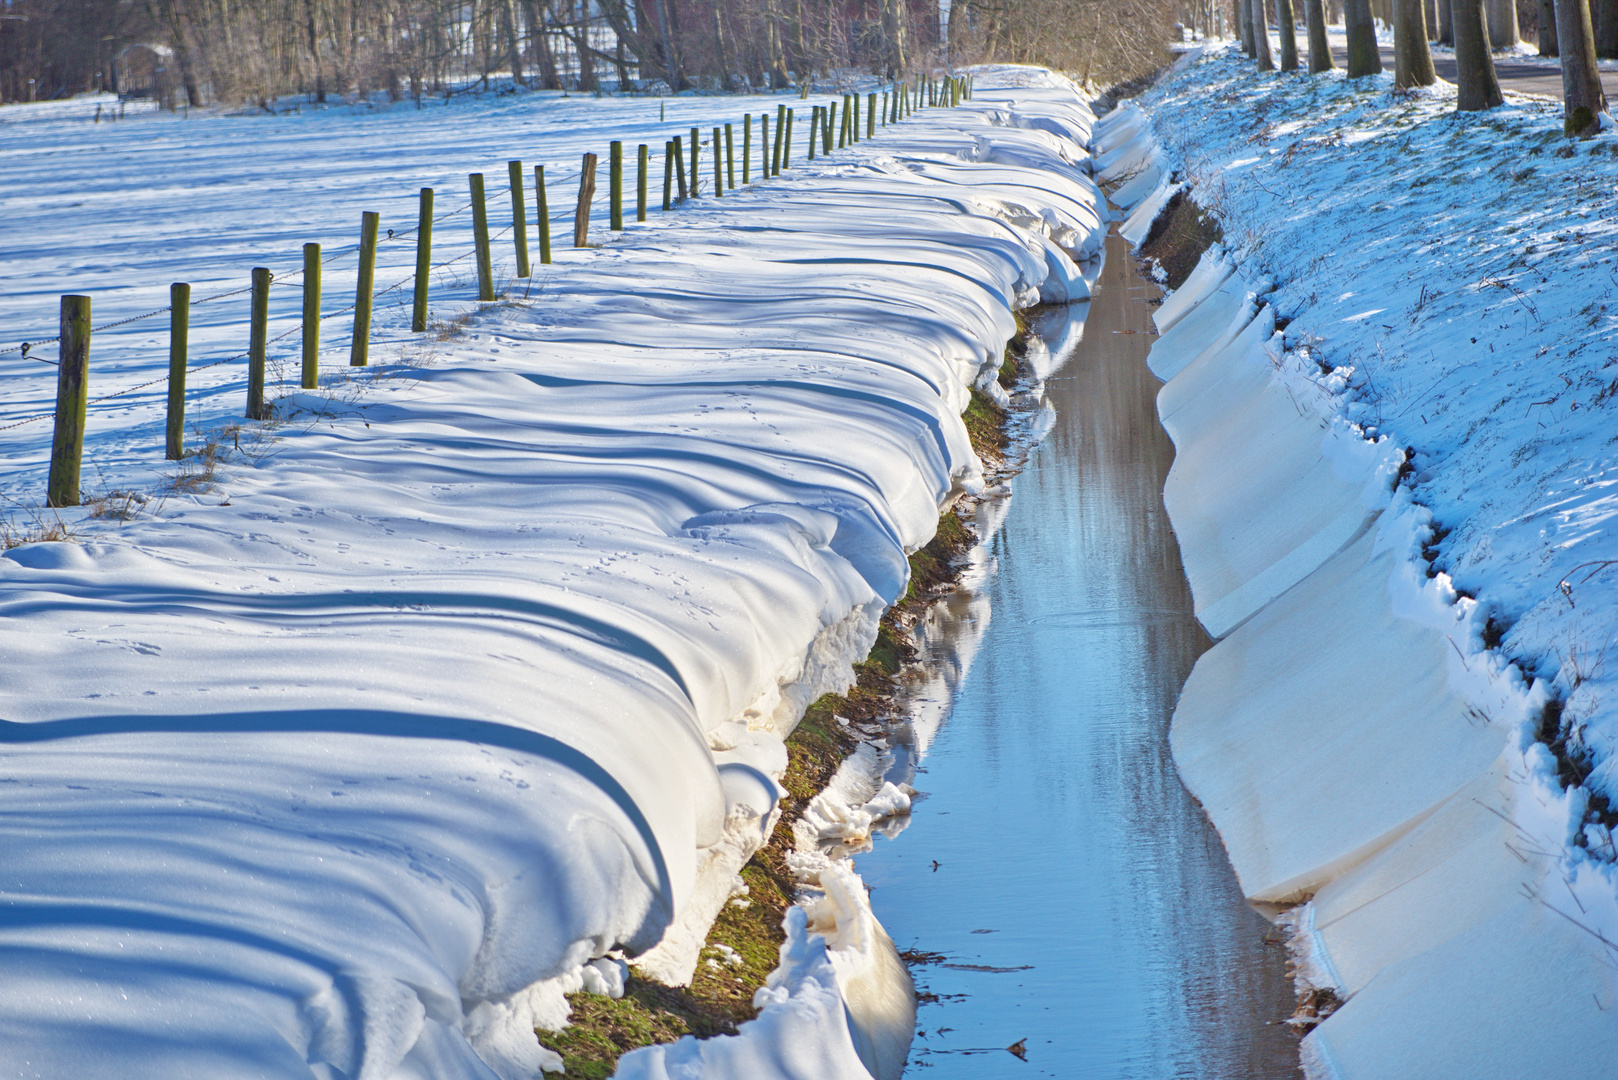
<point>1371,765</point>
<point>357,766</point>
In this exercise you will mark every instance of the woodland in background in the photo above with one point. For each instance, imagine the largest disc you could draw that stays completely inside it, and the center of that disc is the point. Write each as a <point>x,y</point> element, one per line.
<point>256,51</point>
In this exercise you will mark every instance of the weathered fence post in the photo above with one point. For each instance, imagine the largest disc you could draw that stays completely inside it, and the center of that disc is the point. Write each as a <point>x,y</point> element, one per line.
<point>311,317</point>
<point>814,130</point>
<point>842,127</point>
<point>870,116</point>
<point>581,213</point>
<point>258,336</point>
<point>668,175</point>
<point>827,113</point>
<point>643,158</point>
<point>718,168</point>
<point>615,177</point>
<point>884,110</point>
<point>424,266</point>
<point>359,350</point>
<point>747,148</point>
<point>695,175</point>
<point>179,333</point>
<point>786,143</point>
<point>72,375</point>
<point>764,144</point>
<point>544,214</point>
<point>679,165</point>
<point>519,217</point>
<point>730,158</point>
<point>480,239</point>
<point>780,135</point>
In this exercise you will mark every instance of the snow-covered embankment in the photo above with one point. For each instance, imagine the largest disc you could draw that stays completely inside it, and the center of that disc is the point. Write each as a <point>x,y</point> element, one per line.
<point>1353,736</point>
<point>353,758</point>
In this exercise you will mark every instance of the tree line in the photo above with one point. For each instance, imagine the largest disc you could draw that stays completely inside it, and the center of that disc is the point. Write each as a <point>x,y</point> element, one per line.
<point>1566,29</point>
<point>257,51</point>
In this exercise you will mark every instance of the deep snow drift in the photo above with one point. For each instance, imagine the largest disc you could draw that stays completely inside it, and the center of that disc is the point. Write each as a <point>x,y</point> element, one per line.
<point>473,668</point>
<point>1441,392</point>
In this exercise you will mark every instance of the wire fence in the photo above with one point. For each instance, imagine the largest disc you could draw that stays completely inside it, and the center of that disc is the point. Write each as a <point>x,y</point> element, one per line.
<point>913,98</point>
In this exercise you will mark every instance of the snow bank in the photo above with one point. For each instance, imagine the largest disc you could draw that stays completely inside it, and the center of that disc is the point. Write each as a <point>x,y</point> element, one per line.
<point>472,670</point>
<point>1351,735</point>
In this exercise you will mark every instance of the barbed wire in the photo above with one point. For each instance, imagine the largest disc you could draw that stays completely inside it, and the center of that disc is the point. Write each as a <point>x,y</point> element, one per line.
<point>285,334</point>
<point>283,279</point>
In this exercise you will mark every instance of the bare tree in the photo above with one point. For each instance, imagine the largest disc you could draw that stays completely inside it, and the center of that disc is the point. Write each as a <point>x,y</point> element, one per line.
<point>1319,45</point>
<point>1261,37</point>
<point>1547,27</point>
<point>1286,23</point>
<point>1503,33</point>
<point>1446,24</point>
<point>1412,59</point>
<point>1364,58</point>
<point>1476,86</point>
<point>1605,16</point>
<point>1582,99</point>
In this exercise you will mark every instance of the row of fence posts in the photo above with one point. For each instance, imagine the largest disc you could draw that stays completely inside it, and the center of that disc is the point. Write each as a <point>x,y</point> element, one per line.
<point>67,444</point>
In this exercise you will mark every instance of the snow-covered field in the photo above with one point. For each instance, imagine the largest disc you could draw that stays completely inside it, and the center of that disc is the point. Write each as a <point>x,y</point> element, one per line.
<point>1391,398</point>
<point>469,673</point>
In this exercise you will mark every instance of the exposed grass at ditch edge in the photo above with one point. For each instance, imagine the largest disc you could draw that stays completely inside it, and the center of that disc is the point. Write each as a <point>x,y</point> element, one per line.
<point>720,997</point>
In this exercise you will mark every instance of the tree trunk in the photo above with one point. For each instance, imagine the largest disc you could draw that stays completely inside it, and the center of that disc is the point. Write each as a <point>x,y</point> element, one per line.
<point>508,28</point>
<point>1363,57</point>
<point>1261,37</point>
<point>1606,20</point>
<point>1547,27</point>
<point>1319,45</point>
<point>1582,99</point>
<point>1412,60</point>
<point>1502,24</point>
<point>1286,23</point>
<point>1244,19</point>
<point>1430,12</point>
<point>1476,87</point>
<point>1446,24</point>
<point>314,51</point>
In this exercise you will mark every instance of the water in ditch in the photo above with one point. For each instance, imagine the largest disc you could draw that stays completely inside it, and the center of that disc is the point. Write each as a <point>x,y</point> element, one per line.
<point>1058,889</point>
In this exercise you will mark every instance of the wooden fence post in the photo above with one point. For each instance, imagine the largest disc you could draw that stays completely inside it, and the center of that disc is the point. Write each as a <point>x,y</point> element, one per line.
<point>72,375</point>
<point>679,166</point>
<point>786,143</point>
<point>828,115</point>
<point>668,175</point>
<point>643,157</point>
<point>842,128</point>
<point>311,317</point>
<point>258,336</point>
<point>424,266</point>
<point>359,350</point>
<point>814,130</point>
<point>695,152</point>
<point>747,148</point>
<point>544,214</point>
<point>480,238</point>
<point>730,158</point>
<point>780,135</point>
<point>519,217</point>
<point>179,333</point>
<point>764,144</point>
<point>581,213</point>
<point>615,178</point>
<point>718,168</point>
<point>884,109</point>
<point>870,116</point>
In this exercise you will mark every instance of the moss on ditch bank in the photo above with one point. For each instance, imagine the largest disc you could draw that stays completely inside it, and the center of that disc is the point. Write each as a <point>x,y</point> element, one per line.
<point>720,996</point>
